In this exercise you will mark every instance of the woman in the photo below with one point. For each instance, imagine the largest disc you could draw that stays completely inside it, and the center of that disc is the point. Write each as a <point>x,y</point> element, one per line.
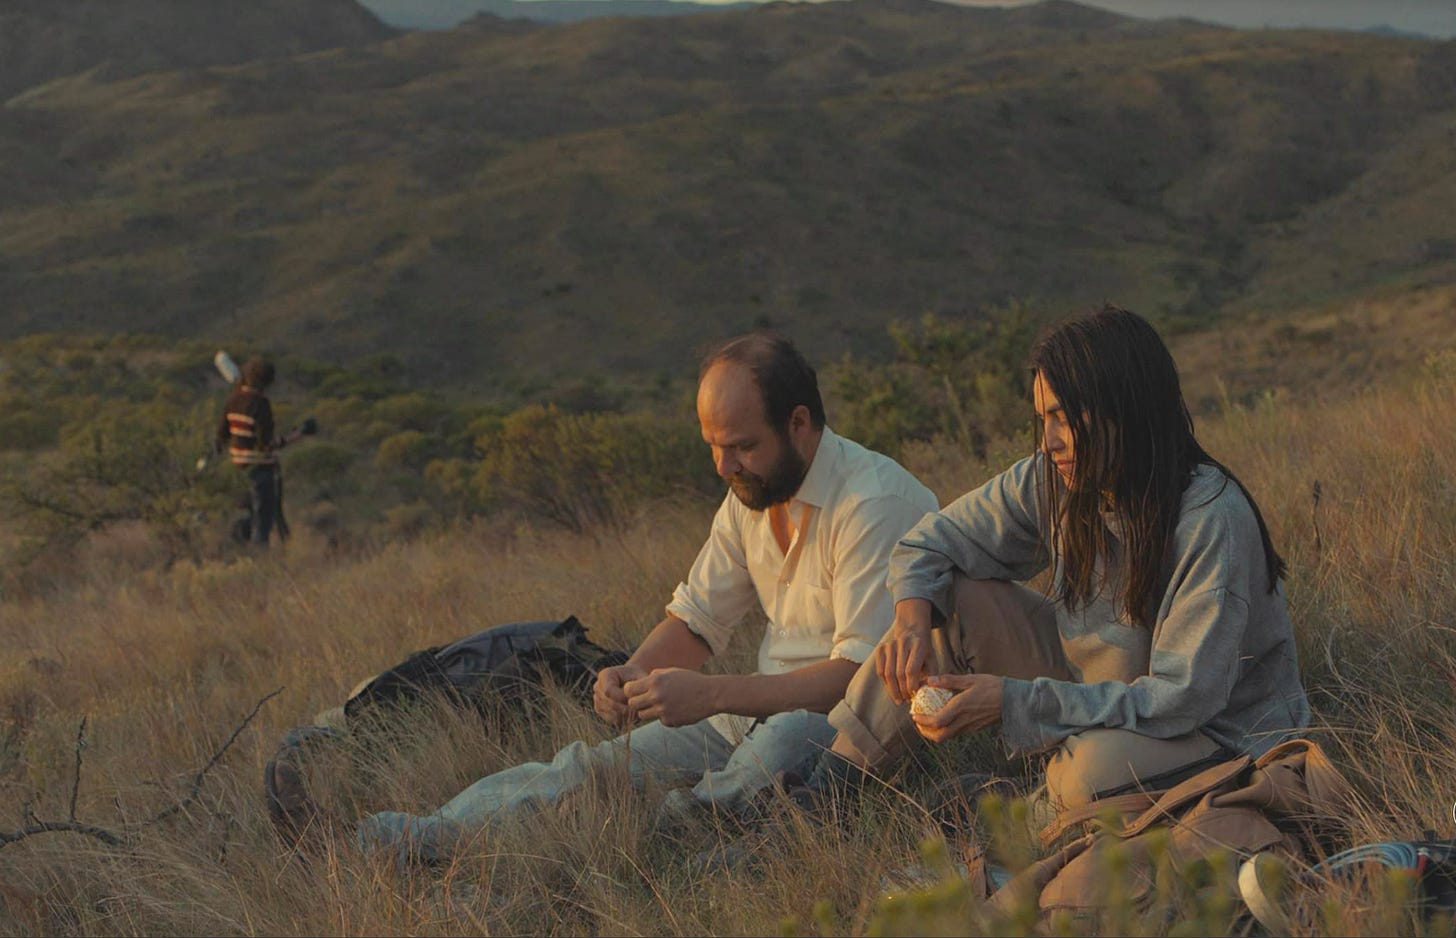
<point>1162,643</point>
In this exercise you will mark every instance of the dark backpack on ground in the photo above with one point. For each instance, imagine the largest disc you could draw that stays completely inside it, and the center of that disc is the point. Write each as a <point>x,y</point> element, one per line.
<point>496,671</point>
<point>502,665</point>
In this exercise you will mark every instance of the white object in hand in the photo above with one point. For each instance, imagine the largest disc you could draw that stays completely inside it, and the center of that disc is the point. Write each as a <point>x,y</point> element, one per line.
<point>929,699</point>
<point>226,367</point>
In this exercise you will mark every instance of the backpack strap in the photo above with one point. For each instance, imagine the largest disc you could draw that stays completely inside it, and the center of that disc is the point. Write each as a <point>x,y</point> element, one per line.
<point>1148,807</point>
<point>1173,801</point>
<point>1132,803</point>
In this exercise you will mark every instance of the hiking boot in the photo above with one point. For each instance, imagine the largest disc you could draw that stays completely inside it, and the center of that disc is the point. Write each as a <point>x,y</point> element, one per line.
<point>296,816</point>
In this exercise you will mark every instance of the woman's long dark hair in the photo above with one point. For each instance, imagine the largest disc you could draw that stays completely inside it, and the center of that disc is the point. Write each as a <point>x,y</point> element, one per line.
<point>1133,454</point>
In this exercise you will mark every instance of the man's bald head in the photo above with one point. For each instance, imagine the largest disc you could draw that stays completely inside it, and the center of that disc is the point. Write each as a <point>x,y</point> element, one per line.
<point>783,377</point>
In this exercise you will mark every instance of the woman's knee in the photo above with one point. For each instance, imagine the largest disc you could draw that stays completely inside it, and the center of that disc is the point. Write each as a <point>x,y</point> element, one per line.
<point>1101,761</point>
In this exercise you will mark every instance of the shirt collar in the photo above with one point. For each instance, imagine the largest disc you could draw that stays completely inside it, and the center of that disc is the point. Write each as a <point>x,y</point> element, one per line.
<point>818,481</point>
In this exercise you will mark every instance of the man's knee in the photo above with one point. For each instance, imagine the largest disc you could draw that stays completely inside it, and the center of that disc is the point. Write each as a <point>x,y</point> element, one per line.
<point>578,760</point>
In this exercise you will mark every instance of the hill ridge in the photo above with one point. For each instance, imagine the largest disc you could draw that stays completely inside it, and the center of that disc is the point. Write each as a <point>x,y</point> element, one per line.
<point>504,202</point>
<point>41,40</point>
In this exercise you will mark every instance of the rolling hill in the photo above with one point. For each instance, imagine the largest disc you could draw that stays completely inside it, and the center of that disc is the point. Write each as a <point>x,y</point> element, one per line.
<point>1430,18</point>
<point>444,14</point>
<point>506,204</point>
<point>44,39</point>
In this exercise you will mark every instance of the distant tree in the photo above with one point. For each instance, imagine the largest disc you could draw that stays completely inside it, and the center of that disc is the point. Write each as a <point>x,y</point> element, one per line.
<point>125,462</point>
<point>580,470</point>
<point>960,379</point>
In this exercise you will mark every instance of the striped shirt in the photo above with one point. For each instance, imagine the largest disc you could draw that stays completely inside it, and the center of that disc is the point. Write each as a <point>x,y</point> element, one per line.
<point>246,428</point>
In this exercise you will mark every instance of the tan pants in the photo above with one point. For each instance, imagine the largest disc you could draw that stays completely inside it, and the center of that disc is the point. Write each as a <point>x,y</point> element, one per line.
<point>1006,629</point>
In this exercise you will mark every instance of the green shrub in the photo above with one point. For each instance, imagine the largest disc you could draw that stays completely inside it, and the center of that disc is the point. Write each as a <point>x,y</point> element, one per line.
<point>580,470</point>
<point>122,463</point>
<point>962,380</point>
<point>406,449</point>
<point>24,429</point>
<point>321,460</point>
<point>413,411</point>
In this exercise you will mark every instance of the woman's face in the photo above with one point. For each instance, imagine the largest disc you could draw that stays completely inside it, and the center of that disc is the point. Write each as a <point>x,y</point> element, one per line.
<point>1056,432</point>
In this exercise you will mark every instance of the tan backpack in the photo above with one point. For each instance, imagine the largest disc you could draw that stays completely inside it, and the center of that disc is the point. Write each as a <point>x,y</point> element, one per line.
<point>1282,802</point>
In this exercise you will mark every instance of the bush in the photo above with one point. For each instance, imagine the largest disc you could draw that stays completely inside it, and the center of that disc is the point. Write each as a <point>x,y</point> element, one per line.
<point>321,460</point>
<point>124,463</point>
<point>963,380</point>
<point>406,449</point>
<point>581,470</point>
<point>25,429</point>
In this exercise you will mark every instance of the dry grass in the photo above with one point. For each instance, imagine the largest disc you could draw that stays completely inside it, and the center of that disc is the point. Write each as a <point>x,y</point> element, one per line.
<point>166,664</point>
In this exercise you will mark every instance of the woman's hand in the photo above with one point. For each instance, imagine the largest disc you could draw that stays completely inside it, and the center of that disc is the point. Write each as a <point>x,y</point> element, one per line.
<point>902,655</point>
<point>976,705</point>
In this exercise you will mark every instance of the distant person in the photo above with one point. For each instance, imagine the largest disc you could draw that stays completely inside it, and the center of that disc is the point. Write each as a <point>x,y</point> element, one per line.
<point>246,431</point>
<point>805,532</point>
<point>1162,643</point>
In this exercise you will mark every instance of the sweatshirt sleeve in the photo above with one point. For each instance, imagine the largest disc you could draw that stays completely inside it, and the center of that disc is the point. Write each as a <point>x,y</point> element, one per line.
<point>990,533</point>
<point>1196,642</point>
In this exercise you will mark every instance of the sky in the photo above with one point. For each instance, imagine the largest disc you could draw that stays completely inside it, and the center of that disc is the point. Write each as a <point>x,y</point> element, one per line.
<point>1435,18</point>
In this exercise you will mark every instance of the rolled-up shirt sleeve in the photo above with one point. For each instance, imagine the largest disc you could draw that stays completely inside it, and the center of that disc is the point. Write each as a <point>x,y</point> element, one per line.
<point>990,533</point>
<point>1194,662</point>
<point>718,591</point>
<point>863,607</point>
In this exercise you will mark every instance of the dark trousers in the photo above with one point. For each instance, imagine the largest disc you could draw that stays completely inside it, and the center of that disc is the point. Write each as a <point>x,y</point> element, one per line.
<point>265,503</point>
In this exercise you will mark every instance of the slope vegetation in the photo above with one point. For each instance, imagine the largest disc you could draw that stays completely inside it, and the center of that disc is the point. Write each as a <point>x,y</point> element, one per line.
<point>43,39</point>
<point>506,203</point>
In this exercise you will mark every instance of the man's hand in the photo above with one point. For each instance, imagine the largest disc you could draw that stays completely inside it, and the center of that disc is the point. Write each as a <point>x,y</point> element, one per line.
<point>675,696</point>
<point>977,704</point>
<point>901,656</point>
<point>608,697</point>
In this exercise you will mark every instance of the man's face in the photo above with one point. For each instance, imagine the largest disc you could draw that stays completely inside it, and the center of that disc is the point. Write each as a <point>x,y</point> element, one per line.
<point>759,463</point>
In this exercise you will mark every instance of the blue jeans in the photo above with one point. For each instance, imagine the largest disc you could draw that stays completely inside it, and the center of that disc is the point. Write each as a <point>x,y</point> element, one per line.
<point>722,775</point>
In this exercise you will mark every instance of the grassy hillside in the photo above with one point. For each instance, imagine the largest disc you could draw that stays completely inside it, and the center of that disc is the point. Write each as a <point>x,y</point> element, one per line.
<point>506,203</point>
<point>100,435</point>
<point>164,664</point>
<point>42,40</point>
<point>444,14</point>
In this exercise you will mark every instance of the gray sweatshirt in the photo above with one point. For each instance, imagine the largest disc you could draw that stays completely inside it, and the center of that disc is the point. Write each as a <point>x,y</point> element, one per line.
<point>1221,654</point>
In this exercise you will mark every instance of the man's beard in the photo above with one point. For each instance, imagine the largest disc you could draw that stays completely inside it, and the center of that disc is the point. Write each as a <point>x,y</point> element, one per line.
<point>779,485</point>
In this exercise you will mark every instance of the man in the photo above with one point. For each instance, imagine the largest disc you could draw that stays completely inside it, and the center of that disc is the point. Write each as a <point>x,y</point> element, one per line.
<point>806,532</point>
<point>246,431</point>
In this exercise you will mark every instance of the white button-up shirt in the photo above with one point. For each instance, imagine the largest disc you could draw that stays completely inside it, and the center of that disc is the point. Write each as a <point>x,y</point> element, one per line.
<point>826,597</point>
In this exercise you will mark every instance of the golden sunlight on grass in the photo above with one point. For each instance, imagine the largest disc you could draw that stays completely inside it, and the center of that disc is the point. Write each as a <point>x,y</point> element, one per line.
<point>166,664</point>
